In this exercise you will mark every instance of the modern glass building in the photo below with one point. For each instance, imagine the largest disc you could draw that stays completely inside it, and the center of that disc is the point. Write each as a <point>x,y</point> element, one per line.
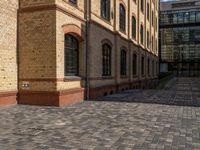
<point>180,37</point>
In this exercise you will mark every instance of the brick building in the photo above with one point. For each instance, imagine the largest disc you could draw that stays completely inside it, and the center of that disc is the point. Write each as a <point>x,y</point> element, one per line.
<point>70,50</point>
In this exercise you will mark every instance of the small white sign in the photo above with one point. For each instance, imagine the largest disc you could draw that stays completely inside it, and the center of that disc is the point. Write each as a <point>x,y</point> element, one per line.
<point>25,85</point>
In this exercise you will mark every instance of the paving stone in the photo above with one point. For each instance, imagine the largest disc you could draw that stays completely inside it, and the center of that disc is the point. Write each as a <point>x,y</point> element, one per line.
<point>141,119</point>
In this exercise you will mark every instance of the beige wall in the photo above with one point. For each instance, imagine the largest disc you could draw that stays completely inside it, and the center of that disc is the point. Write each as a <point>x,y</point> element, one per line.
<point>8,45</point>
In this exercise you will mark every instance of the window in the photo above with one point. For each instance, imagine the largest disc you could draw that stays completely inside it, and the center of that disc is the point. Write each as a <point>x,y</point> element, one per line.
<point>134,64</point>
<point>105,9</point>
<point>106,59</point>
<point>148,66</point>
<point>123,63</point>
<point>122,18</point>
<point>148,39</point>
<point>152,21</point>
<point>133,27</point>
<point>142,5</point>
<point>142,66</point>
<point>141,34</point>
<point>152,68</point>
<point>73,1</point>
<point>71,55</point>
<point>148,9</point>
<point>152,42</point>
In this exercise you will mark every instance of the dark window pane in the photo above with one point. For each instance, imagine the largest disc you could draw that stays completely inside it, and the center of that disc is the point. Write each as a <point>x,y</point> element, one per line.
<point>71,56</point>
<point>122,18</point>
<point>123,63</point>
<point>106,60</point>
<point>133,27</point>
<point>105,9</point>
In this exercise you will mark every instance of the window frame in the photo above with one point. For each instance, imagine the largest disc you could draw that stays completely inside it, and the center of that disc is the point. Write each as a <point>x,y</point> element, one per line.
<point>122,18</point>
<point>123,62</point>
<point>134,28</point>
<point>105,9</point>
<point>106,59</point>
<point>69,60</point>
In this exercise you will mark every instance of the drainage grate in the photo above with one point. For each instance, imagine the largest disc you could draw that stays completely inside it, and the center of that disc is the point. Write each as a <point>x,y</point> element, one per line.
<point>29,132</point>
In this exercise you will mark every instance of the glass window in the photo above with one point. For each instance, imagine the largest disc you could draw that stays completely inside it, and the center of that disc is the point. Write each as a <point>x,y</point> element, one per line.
<point>73,1</point>
<point>147,39</point>
<point>142,66</point>
<point>180,17</point>
<point>148,9</point>
<point>152,68</point>
<point>105,9</point>
<point>106,56</point>
<point>134,64</point>
<point>148,67</point>
<point>133,27</point>
<point>175,18</point>
<point>197,16</point>
<point>192,17</point>
<point>122,18</point>
<point>141,34</point>
<point>71,55</point>
<point>186,17</point>
<point>123,62</point>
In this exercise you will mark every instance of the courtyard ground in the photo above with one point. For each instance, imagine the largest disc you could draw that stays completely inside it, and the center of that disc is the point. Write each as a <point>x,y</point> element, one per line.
<point>135,119</point>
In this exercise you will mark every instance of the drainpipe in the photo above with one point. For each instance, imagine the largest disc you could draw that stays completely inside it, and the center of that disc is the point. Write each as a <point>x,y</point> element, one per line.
<point>87,16</point>
<point>17,50</point>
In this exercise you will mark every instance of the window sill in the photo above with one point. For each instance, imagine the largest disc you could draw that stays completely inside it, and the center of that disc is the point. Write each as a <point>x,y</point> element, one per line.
<point>106,20</point>
<point>123,32</point>
<point>72,78</point>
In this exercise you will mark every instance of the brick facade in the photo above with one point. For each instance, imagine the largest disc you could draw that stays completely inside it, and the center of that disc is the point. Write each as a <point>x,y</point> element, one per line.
<point>8,51</point>
<point>43,25</point>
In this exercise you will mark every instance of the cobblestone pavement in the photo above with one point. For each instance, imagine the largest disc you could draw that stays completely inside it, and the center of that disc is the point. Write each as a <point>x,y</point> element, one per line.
<point>179,91</point>
<point>104,125</point>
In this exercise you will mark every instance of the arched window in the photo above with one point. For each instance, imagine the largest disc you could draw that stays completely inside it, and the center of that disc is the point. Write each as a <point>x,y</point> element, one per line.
<point>142,66</point>
<point>133,27</point>
<point>134,64</point>
<point>105,9</point>
<point>71,55</point>
<point>141,34</point>
<point>123,63</point>
<point>122,18</point>
<point>106,59</point>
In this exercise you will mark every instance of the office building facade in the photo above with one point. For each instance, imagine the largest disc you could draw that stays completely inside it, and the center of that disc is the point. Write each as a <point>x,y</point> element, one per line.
<point>180,37</point>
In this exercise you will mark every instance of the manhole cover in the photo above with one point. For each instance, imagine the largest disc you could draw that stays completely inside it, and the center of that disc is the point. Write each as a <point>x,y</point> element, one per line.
<point>29,131</point>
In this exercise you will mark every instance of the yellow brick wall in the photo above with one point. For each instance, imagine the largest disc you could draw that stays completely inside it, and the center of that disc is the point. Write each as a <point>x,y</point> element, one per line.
<point>42,42</point>
<point>37,49</point>
<point>8,45</point>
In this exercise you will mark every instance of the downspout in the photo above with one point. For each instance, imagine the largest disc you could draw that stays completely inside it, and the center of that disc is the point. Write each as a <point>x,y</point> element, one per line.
<point>87,16</point>
<point>129,43</point>
<point>17,50</point>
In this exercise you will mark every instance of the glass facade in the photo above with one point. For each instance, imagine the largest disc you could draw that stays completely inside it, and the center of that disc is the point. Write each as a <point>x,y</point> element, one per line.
<point>180,41</point>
